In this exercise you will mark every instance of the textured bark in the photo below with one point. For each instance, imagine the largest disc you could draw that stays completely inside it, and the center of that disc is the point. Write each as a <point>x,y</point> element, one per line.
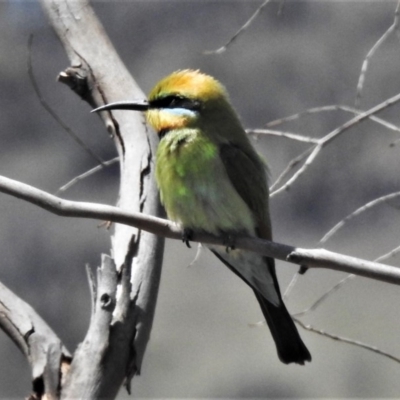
<point>48,358</point>
<point>98,76</point>
<point>309,258</point>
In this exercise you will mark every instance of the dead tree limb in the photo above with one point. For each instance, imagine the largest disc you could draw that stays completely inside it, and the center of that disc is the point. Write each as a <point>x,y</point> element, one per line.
<point>311,258</point>
<point>98,76</point>
<point>48,357</point>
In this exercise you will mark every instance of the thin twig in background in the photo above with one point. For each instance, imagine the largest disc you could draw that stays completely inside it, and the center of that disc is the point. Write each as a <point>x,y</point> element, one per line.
<point>223,48</point>
<point>197,255</point>
<point>341,283</point>
<point>332,136</point>
<point>292,164</point>
<point>327,294</point>
<point>324,296</point>
<point>53,114</point>
<point>357,212</point>
<point>287,135</point>
<point>333,231</point>
<point>370,54</point>
<point>86,174</point>
<point>388,255</point>
<point>322,332</point>
<point>306,139</point>
<point>291,285</point>
<point>346,340</point>
<point>334,107</point>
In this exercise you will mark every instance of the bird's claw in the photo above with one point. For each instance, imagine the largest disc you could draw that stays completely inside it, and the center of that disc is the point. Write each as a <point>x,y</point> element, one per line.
<point>303,269</point>
<point>187,236</point>
<point>229,242</point>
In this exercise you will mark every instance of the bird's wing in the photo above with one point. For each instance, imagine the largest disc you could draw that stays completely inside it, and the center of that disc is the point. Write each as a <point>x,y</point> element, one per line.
<point>248,175</point>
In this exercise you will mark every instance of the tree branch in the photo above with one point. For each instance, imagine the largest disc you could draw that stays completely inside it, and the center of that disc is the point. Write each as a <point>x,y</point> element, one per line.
<point>223,48</point>
<point>314,151</point>
<point>48,357</point>
<point>98,76</point>
<point>312,258</point>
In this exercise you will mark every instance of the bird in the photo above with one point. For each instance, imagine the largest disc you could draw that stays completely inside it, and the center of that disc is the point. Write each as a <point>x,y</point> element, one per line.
<point>211,179</point>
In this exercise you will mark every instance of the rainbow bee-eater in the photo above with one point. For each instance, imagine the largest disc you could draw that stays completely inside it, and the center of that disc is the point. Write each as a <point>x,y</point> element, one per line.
<point>211,179</point>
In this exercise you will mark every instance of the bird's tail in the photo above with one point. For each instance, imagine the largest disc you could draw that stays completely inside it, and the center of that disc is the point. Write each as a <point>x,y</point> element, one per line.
<point>289,344</point>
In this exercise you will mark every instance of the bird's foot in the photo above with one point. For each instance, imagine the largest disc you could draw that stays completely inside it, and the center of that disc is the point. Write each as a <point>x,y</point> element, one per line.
<point>187,236</point>
<point>228,242</point>
<point>303,269</point>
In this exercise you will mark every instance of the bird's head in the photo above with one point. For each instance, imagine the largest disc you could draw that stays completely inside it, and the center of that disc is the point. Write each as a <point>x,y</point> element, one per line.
<point>185,98</point>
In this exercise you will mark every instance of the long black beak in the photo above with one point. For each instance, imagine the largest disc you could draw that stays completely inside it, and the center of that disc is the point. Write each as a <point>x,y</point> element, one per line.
<point>136,105</point>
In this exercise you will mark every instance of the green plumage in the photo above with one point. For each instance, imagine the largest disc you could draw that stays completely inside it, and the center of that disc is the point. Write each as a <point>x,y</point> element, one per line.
<point>211,179</point>
<point>195,186</point>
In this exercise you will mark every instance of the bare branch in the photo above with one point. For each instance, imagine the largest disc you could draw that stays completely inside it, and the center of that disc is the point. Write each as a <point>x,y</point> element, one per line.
<point>332,136</point>
<point>322,298</point>
<point>334,107</point>
<point>370,54</point>
<point>223,48</point>
<point>197,255</point>
<point>98,76</point>
<point>291,165</point>
<point>287,135</point>
<point>312,258</point>
<point>346,340</point>
<point>99,340</point>
<point>36,340</point>
<point>52,113</point>
<point>86,174</point>
<point>291,285</point>
<point>356,213</point>
<point>388,255</point>
<point>340,284</point>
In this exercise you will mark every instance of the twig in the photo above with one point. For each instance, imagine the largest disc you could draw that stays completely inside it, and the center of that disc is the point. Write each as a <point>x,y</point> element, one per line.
<point>334,107</point>
<point>357,212</point>
<point>292,164</point>
<point>332,136</point>
<point>291,285</point>
<point>346,340</point>
<point>223,48</point>
<point>322,298</point>
<point>390,254</point>
<point>53,114</point>
<point>287,135</point>
<point>86,174</point>
<point>312,258</point>
<point>372,51</point>
<point>197,255</point>
<point>341,283</point>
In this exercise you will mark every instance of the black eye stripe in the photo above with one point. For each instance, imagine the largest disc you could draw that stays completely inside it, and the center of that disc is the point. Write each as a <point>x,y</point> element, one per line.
<point>176,102</point>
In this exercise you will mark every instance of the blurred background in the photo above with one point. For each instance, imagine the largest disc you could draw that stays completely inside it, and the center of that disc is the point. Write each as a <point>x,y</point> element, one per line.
<point>202,345</point>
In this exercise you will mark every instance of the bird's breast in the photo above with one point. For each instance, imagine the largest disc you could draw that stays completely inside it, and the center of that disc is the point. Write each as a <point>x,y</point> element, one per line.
<point>194,185</point>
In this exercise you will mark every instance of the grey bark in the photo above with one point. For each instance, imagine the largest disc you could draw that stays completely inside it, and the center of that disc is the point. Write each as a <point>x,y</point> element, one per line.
<point>48,357</point>
<point>126,286</point>
<point>310,258</point>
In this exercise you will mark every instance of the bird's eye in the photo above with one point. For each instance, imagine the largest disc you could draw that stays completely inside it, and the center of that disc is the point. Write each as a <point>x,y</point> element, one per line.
<point>174,101</point>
